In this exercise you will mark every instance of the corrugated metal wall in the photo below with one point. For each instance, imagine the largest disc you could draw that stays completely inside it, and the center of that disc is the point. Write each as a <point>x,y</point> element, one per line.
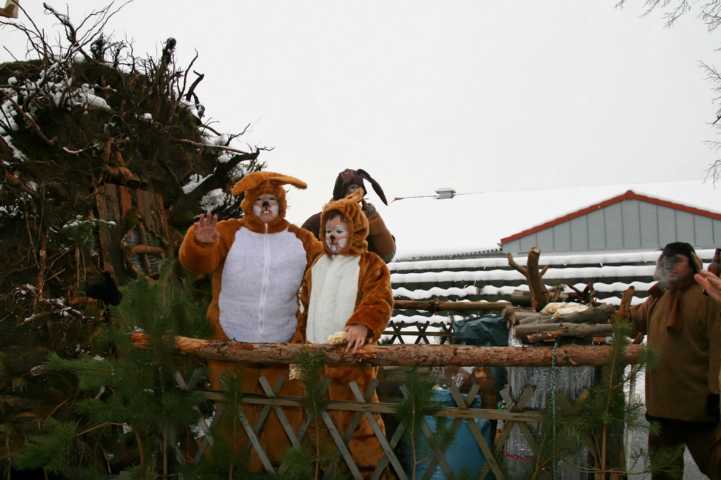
<point>627,225</point>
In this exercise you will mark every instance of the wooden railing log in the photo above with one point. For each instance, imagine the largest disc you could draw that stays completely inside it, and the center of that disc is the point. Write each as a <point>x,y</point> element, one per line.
<point>400,355</point>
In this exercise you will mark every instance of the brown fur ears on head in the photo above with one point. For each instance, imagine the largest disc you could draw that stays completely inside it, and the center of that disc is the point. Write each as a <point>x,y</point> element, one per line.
<point>255,179</point>
<point>348,207</point>
<point>342,204</point>
<point>352,198</point>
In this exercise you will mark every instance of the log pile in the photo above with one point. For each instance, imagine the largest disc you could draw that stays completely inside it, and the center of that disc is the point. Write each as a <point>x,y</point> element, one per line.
<point>537,327</point>
<point>547,321</point>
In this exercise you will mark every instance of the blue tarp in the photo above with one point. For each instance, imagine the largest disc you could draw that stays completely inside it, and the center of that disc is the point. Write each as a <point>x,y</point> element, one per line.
<point>489,330</point>
<point>463,454</point>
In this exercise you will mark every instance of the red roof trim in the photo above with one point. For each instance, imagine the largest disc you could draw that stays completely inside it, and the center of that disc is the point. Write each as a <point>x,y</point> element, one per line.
<point>629,195</point>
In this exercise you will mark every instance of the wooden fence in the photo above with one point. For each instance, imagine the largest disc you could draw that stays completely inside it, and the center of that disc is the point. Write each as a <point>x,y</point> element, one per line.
<point>515,415</point>
<point>461,412</point>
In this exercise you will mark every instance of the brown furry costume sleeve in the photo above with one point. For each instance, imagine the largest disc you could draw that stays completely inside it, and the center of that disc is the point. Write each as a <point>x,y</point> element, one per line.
<point>313,247</point>
<point>380,240</point>
<point>312,224</point>
<point>302,316</point>
<point>204,259</point>
<point>201,258</point>
<point>375,297</point>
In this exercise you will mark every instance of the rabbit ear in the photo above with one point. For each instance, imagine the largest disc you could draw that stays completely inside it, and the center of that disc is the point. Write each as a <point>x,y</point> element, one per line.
<point>376,186</point>
<point>253,180</point>
<point>338,188</point>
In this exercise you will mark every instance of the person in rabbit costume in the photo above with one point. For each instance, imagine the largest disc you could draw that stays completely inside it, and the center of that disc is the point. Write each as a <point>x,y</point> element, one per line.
<point>348,289</point>
<point>257,264</point>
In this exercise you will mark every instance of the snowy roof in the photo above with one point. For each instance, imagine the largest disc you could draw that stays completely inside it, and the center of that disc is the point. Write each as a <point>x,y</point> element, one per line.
<point>629,195</point>
<point>491,279</point>
<point>428,228</point>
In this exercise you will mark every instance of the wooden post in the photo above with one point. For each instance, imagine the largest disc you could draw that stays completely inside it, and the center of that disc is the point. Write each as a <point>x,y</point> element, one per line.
<point>534,277</point>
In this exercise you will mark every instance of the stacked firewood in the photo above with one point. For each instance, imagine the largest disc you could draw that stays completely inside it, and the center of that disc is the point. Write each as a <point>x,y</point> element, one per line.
<point>563,320</point>
<point>548,320</point>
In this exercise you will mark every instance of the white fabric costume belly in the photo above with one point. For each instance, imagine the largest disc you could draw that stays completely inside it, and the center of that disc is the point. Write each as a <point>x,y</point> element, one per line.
<point>333,295</point>
<point>261,276</point>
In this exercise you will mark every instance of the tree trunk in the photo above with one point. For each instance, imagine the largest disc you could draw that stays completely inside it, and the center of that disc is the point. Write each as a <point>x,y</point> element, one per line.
<point>402,355</point>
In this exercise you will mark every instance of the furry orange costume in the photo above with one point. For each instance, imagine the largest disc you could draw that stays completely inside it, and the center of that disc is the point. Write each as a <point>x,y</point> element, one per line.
<point>256,269</point>
<point>371,305</point>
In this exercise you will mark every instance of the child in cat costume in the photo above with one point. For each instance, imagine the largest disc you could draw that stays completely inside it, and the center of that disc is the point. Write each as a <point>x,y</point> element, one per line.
<point>257,264</point>
<point>347,288</point>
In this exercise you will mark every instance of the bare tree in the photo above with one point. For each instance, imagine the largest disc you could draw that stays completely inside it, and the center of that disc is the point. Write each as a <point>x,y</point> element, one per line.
<point>709,11</point>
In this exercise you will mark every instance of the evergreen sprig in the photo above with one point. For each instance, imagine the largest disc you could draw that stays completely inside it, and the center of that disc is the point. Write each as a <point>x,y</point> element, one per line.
<point>50,450</point>
<point>133,387</point>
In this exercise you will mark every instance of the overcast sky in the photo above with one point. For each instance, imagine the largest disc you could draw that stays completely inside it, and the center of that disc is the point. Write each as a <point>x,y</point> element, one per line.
<point>489,96</point>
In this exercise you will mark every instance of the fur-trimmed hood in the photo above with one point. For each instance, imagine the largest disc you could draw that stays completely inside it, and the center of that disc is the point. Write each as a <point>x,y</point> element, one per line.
<point>256,184</point>
<point>350,208</point>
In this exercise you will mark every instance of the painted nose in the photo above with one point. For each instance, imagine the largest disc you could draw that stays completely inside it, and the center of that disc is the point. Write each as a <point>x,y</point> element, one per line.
<point>266,204</point>
<point>332,238</point>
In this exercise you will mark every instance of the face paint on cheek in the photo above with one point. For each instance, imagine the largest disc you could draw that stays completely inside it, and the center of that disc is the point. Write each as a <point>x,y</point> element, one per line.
<point>330,244</point>
<point>256,209</point>
<point>342,242</point>
<point>266,209</point>
<point>336,236</point>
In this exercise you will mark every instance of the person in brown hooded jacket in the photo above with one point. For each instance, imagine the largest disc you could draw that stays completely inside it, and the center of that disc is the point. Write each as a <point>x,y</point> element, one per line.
<point>347,288</point>
<point>257,264</point>
<point>380,240</point>
<point>682,386</point>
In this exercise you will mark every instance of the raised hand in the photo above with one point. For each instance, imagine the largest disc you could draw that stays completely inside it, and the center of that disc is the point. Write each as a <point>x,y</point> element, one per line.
<point>206,230</point>
<point>356,337</point>
<point>710,283</point>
